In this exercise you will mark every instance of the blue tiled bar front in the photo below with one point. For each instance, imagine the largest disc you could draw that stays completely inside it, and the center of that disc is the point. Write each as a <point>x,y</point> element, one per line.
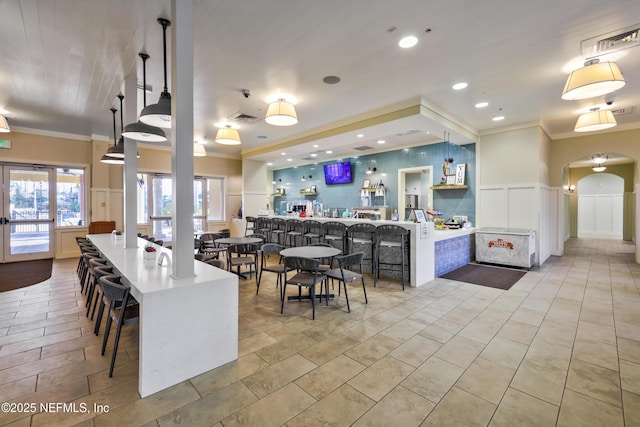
<point>453,249</point>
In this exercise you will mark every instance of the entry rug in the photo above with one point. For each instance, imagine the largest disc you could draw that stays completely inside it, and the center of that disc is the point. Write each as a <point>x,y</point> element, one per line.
<point>14,275</point>
<point>484,275</point>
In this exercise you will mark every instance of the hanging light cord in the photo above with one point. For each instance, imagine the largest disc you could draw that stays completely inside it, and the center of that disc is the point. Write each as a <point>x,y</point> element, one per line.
<point>120,97</point>
<point>165,23</point>
<point>113,110</point>
<point>144,57</point>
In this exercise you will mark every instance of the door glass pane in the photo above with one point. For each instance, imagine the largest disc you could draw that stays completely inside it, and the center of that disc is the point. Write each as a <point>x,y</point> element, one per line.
<point>143,211</point>
<point>29,238</point>
<point>29,193</point>
<point>162,202</point>
<point>70,197</point>
<point>215,199</point>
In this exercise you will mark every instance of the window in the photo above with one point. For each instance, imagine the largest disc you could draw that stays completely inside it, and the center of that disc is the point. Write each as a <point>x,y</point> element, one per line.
<point>155,197</point>
<point>70,189</point>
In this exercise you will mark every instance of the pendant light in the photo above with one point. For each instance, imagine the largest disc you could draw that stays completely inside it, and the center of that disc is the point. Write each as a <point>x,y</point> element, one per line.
<point>198,150</point>
<point>160,114</point>
<point>599,168</point>
<point>594,79</point>
<point>141,131</point>
<point>227,135</point>
<point>107,158</point>
<point>281,113</point>
<point>4,126</point>
<point>594,120</point>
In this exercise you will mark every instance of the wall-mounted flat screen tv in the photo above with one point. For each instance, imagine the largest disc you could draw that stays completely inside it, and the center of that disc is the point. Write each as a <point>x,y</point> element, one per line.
<point>337,173</point>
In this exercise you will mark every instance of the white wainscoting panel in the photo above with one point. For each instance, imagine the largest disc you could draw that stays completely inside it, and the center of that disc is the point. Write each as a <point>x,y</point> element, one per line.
<point>492,208</point>
<point>600,215</point>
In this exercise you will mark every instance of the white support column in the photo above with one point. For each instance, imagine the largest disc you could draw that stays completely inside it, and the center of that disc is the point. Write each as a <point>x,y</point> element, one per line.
<point>130,168</point>
<point>182,144</point>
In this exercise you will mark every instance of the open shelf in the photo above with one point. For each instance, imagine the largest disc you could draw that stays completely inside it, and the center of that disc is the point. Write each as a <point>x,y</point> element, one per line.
<point>449,187</point>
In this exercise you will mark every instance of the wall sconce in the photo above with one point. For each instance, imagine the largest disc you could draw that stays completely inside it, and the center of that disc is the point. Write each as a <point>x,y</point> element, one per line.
<point>572,188</point>
<point>371,170</point>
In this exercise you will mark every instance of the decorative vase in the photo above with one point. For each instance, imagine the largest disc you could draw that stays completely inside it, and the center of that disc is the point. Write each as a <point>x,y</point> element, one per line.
<point>149,255</point>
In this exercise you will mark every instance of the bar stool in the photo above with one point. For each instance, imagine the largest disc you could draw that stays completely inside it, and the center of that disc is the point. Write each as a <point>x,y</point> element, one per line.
<point>334,232</point>
<point>295,228</point>
<point>262,225</point>
<point>93,282</point>
<point>278,231</point>
<point>387,239</point>
<point>250,225</point>
<point>312,230</point>
<point>122,308</point>
<point>360,238</point>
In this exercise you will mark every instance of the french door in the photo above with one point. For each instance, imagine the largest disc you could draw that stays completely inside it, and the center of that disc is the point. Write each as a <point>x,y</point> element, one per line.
<point>27,213</point>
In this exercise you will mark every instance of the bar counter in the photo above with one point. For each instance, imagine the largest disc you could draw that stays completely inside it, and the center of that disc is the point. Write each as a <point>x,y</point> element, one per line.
<point>187,326</point>
<point>422,243</point>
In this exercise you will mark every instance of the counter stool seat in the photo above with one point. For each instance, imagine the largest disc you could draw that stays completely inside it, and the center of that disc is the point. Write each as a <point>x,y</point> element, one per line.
<point>390,237</point>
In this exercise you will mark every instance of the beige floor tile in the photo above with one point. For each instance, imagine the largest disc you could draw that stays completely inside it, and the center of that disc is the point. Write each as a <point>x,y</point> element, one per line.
<point>595,332</point>
<point>17,359</point>
<point>401,407</point>
<point>273,410</point>
<point>328,377</point>
<point>629,350</point>
<point>504,352</point>
<point>366,329</point>
<point>373,349</point>
<point>631,405</point>
<point>273,377</point>
<point>254,343</point>
<point>486,379</point>
<point>285,348</point>
<point>630,376</point>
<point>433,379</point>
<point>542,381</point>
<point>460,351</point>
<point>459,408</point>
<point>528,316</point>
<point>549,354</point>
<point>329,349</point>
<point>211,408</point>
<point>441,331</point>
<point>145,410</point>
<point>18,388</point>
<point>341,407</point>
<point>597,353</point>
<point>556,333</point>
<point>227,374</point>
<point>522,410</point>
<point>404,330</point>
<point>518,331</point>
<point>381,377</point>
<point>416,350</point>
<point>595,381</point>
<point>580,410</point>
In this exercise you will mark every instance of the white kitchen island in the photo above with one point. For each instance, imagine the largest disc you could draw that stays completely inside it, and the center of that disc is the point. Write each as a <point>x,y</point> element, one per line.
<point>187,326</point>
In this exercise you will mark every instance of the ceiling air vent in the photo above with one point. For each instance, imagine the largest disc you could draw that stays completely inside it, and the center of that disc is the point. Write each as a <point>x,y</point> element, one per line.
<point>611,42</point>
<point>244,118</point>
<point>409,132</point>
<point>363,148</point>
<point>623,111</point>
<point>310,158</point>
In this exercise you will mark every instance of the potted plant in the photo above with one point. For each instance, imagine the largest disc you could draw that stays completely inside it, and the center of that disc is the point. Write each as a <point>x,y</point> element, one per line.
<point>149,252</point>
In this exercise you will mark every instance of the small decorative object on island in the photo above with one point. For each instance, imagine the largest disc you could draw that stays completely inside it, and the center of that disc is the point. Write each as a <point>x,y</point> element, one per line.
<point>116,235</point>
<point>149,252</point>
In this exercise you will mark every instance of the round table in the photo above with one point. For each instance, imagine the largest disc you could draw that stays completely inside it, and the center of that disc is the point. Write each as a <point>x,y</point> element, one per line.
<point>237,240</point>
<point>311,252</point>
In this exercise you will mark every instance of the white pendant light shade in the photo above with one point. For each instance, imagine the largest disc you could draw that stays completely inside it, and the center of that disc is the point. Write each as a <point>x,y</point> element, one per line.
<point>198,150</point>
<point>4,126</point>
<point>111,160</point>
<point>594,79</point>
<point>599,168</point>
<point>228,136</point>
<point>281,113</point>
<point>595,120</point>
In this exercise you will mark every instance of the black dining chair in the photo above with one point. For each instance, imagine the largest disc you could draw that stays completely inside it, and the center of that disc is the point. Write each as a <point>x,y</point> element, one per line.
<point>271,251</point>
<point>245,254</point>
<point>345,274</point>
<point>122,309</point>
<point>304,273</point>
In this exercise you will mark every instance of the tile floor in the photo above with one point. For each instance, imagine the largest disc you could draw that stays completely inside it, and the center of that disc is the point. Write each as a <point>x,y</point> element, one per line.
<point>562,347</point>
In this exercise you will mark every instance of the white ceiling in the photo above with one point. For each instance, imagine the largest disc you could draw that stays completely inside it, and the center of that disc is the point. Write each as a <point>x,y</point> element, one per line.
<point>64,62</point>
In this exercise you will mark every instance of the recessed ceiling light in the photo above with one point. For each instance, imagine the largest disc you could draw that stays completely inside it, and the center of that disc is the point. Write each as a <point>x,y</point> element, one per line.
<point>289,160</point>
<point>283,153</point>
<point>315,145</point>
<point>329,152</point>
<point>269,164</point>
<point>360,135</point>
<point>459,86</point>
<point>314,155</point>
<point>482,104</point>
<point>408,41</point>
<point>381,141</point>
<point>498,118</point>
